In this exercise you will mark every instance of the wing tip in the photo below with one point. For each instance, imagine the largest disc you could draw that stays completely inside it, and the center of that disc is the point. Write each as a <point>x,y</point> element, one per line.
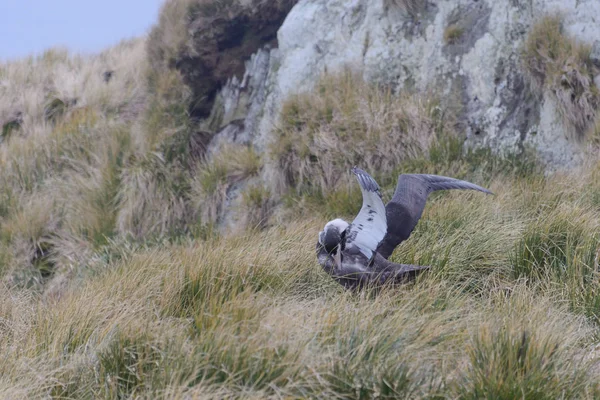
<point>469,185</point>
<point>485,190</point>
<point>365,180</point>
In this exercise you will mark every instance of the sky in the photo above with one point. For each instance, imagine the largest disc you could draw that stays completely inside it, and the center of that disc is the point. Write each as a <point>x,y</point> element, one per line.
<point>87,26</point>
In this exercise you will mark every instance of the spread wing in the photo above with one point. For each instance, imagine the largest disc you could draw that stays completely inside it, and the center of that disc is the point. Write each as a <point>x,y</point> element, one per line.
<point>369,227</point>
<point>404,210</point>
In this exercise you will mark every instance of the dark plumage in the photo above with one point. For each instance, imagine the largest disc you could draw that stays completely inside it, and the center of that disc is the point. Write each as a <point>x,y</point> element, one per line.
<point>355,271</point>
<point>406,207</point>
<point>356,254</point>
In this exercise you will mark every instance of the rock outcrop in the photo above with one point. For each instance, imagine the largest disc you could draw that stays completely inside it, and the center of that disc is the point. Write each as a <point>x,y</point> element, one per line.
<point>479,61</point>
<point>221,36</point>
<point>469,50</point>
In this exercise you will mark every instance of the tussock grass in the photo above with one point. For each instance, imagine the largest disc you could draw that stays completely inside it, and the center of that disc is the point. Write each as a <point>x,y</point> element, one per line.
<point>79,160</point>
<point>511,357</point>
<point>71,143</point>
<point>347,122</point>
<point>215,177</point>
<point>166,126</point>
<point>152,198</point>
<point>257,206</point>
<point>595,132</point>
<point>509,307</point>
<point>556,63</point>
<point>115,285</point>
<point>56,79</point>
<point>93,158</point>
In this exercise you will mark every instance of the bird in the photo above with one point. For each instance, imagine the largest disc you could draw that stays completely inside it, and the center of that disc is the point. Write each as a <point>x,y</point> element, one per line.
<point>356,254</point>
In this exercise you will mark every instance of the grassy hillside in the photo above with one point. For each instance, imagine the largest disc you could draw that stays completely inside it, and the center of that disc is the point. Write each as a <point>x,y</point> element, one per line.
<point>509,309</point>
<point>116,284</point>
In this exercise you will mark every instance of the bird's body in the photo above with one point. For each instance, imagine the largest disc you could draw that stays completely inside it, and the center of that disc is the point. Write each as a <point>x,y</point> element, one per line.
<point>356,271</point>
<point>357,254</point>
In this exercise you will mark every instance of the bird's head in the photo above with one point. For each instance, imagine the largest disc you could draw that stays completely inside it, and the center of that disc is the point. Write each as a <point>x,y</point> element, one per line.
<point>332,236</point>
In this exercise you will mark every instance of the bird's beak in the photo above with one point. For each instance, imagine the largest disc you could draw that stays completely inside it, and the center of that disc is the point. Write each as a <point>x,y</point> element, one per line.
<point>337,257</point>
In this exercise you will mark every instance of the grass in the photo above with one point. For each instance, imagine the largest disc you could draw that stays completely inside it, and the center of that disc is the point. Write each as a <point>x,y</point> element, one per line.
<point>555,63</point>
<point>253,316</point>
<point>256,206</point>
<point>518,360</point>
<point>71,143</point>
<point>118,151</point>
<point>117,283</point>
<point>453,33</point>
<point>594,133</point>
<point>509,309</point>
<point>215,177</point>
<point>347,122</point>
<point>8,127</point>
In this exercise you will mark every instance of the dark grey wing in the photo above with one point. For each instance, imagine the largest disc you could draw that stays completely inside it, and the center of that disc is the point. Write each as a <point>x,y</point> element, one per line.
<point>404,210</point>
<point>389,272</point>
<point>357,275</point>
<point>369,227</point>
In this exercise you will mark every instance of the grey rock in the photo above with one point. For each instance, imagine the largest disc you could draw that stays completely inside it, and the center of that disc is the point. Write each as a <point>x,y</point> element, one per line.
<point>410,52</point>
<point>483,64</point>
<point>597,81</point>
<point>220,42</point>
<point>239,105</point>
<point>595,53</point>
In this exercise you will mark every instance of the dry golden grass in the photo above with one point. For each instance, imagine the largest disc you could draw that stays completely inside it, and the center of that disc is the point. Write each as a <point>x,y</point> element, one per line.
<point>152,198</point>
<point>346,122</point>
<point>253,316</point>
<point>114,284</point>
<point>31,84</point>
<point>214,178</point>
<point>96,157</point>
<point>70,144</point>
